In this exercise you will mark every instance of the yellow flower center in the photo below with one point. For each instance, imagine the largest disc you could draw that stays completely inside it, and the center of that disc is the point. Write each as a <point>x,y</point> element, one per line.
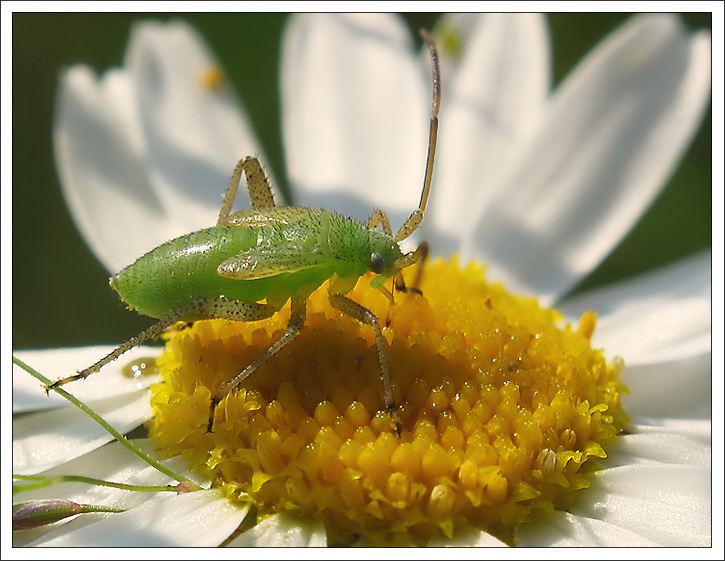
<point>502,410</point>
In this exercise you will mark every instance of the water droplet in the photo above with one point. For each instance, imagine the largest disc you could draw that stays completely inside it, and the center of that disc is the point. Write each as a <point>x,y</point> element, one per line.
<point>140,367</point>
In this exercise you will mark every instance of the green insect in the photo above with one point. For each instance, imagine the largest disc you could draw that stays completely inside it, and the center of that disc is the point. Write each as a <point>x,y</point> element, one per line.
<point>271,254</point>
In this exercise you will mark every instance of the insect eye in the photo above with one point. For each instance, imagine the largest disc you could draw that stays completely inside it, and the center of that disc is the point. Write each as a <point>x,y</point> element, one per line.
<point>377,262</point>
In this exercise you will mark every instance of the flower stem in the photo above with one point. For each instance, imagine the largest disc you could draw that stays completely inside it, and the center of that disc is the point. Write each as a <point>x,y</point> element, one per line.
<point>39,481</point>
<point>101,421</point>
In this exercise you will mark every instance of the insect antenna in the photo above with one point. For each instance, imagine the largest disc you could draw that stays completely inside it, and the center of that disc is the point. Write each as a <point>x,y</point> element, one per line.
<point>414,220</point>
<point>410,225</point>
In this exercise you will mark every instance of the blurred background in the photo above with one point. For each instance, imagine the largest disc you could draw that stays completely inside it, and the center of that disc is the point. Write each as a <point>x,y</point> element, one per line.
<point>60,291</point>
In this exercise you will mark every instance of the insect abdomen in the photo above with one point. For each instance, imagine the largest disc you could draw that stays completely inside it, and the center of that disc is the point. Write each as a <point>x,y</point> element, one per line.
<point>185,269</point>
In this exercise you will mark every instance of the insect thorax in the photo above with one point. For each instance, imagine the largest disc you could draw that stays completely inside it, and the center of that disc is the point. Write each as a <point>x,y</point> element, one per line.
<point>350,242</point>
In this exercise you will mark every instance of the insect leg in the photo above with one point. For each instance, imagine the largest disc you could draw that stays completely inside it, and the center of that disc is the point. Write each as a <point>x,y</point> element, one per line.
<point>379,217</point>
<point>363,315</point>
<point>418,256</point>
<point>203,308</point>
<point>296,323</point>
<point>260,191</point>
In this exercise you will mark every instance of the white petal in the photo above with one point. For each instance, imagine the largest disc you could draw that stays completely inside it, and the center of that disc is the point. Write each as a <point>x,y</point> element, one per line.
<point>614,132</point>
<point>195,132</point>
<point>44,440</point>
<point>672,441</point>
<point>668,504</point>
<point>494,89</point>
<point>698,431</point>
<point>112,462</point>
<point>29,394</point>
<point>563,529</point>
<point>355,112</point>
<point>661,316</point>
<point>198,519</point>
<point>283,530</point>
<point>679,389</point>
<point>99,155</point>
<point>653,491</point>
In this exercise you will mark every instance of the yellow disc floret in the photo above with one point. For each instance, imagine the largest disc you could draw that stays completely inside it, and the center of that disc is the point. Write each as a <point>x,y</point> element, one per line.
<point>502,410</point>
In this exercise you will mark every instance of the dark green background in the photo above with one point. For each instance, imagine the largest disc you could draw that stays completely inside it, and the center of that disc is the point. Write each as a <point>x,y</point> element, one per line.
<point>60,292</point>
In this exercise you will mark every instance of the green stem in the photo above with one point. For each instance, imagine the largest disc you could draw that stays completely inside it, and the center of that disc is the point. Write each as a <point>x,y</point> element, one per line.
<point>40,481</point>
<point>101,421</point>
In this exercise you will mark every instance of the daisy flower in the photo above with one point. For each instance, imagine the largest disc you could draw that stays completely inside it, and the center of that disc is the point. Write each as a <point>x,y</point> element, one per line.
<point>513,413</point>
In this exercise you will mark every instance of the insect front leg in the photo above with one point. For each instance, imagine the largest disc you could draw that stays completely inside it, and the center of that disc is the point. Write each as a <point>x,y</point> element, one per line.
<point>415,257</point>
<point>363,315</point>
<point>296,323</point>
<point>203,308</point>
<point>260,192</point>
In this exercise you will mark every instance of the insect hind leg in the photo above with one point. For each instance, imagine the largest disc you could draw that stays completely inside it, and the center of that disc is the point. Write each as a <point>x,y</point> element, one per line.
<point>260,191</point>
<point>202,308</point>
